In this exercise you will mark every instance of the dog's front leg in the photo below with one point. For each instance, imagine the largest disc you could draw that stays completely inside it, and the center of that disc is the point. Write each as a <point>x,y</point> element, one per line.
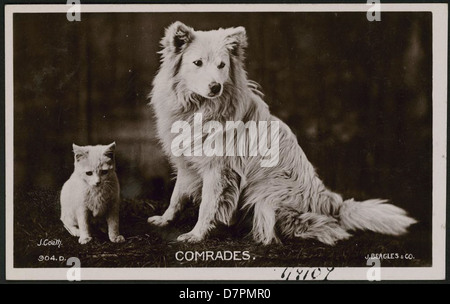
<point>220,194</point>
<point>185,179</point>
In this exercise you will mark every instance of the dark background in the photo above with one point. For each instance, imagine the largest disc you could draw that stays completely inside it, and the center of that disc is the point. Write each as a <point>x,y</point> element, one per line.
<point>356,93</point>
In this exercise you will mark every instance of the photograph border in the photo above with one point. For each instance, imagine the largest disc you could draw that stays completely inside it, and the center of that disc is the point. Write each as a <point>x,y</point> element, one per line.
<point>439,145</point>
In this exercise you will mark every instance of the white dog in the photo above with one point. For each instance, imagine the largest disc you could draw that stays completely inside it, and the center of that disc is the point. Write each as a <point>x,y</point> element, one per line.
<point>202,72</point>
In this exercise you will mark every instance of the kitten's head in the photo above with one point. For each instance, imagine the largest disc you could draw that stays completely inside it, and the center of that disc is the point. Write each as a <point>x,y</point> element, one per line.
<point>94,164</point>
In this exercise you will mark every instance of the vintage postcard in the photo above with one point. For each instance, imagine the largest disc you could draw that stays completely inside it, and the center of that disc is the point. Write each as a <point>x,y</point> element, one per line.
<point>237,142</point>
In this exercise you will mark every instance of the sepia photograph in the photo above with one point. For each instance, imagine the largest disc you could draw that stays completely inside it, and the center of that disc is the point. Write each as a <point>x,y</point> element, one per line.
<point>253,142</point>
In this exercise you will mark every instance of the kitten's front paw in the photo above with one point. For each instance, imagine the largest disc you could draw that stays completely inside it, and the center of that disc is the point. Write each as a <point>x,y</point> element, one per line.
<point>157,220</point>
<point>117,239</point>
<point>84,240</point>
<point>73,230</point>
<point>76,232</point>
<point>190,238</point>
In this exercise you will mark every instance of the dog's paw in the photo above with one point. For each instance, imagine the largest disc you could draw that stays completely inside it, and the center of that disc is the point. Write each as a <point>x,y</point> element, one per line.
<point>190,238</point>
<point>84,240</point>
<point>117,239</point>
<point>157,220</point>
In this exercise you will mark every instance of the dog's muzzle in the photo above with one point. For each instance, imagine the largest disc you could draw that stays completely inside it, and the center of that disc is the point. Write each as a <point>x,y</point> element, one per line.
<point>214,88</point>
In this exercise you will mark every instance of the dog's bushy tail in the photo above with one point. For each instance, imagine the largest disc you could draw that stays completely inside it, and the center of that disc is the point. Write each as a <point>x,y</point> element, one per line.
<point>374,215</point>
<point>292,223</point>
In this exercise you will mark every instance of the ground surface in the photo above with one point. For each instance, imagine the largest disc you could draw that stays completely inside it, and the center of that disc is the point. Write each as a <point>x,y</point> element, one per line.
<point>37,217</point>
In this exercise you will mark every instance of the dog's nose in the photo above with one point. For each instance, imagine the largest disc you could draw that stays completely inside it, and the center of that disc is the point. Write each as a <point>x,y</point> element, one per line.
<point>215,87</point>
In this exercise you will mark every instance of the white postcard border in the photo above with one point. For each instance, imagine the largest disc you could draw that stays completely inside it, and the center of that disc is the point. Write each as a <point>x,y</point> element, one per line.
<point>439,96</point>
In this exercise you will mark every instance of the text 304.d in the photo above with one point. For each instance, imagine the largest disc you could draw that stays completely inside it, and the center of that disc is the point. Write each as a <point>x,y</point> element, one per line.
<point>51,258</point>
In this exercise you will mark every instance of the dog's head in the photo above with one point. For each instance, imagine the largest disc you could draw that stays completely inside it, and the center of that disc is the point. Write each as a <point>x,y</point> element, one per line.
<point>203,60</point>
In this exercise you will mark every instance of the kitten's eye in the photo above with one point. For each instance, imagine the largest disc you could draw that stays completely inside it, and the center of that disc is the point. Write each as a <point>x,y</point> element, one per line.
<point>221,65</point>
<point>198,63</point>
<point>89,173</point>
<point>104,172</point>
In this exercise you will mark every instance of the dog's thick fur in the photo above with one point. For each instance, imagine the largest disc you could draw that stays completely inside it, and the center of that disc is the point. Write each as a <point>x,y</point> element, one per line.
<point>287,200</point>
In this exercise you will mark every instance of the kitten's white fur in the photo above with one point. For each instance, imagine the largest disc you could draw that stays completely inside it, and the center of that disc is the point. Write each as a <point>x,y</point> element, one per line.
<point>91,193</point>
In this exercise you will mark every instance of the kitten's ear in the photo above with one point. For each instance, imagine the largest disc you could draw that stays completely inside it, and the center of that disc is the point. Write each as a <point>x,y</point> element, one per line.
<point>109,151</point>
<point>79,152</point>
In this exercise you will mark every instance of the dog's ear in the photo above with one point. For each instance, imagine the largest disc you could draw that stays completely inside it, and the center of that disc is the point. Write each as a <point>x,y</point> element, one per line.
<point>79,152</point>
<point>177,37</point>
<point>236,40</point>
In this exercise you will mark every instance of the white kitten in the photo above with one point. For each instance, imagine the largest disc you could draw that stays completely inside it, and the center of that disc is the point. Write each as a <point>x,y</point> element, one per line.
<point>91,193</point>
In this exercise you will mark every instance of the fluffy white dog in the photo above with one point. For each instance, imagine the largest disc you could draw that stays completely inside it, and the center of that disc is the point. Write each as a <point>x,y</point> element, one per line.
<point>202,72</point>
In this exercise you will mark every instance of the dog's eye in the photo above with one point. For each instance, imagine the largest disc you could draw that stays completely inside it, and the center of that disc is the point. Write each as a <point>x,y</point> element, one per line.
<point>104,172</point>
<point>89,173</point>
<point>221,65</point>
<point>198,63</point>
